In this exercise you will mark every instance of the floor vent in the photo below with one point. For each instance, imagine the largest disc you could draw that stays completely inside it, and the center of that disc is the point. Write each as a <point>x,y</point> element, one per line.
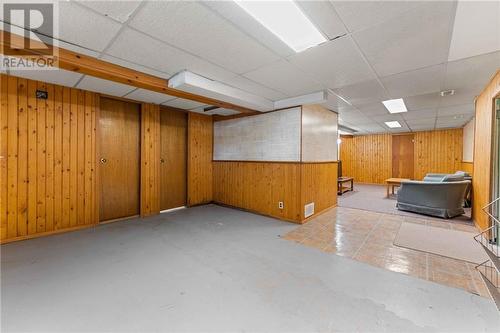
<point>309,209</point>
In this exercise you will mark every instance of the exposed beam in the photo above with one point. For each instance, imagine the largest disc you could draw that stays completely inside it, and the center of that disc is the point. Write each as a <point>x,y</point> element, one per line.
<point>80,63</point>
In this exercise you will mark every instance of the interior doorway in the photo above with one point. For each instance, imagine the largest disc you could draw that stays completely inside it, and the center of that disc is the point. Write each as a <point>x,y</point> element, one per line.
<point>402,156</point>
<point>173,158</point>
<point>119,165</point>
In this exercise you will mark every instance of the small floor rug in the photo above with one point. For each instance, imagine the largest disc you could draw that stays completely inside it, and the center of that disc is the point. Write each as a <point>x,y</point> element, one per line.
<point>444,242</point>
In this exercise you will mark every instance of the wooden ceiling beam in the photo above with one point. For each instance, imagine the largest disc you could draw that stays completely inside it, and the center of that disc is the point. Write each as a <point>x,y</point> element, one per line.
<point>80,63</point>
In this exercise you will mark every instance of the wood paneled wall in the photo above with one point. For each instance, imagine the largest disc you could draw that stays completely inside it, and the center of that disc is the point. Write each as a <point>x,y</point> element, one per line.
<point>48,159</point>
<point>200,147</point>
<point>260,186</point>
<point>468,167</point>
<point>368,158</point>
<point>438,152</point>
<point>150,159</point>
<point>319,185</point>
<point>483,145</point>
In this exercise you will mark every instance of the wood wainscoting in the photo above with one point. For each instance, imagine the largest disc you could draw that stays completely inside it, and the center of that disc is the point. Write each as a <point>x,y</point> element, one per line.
<point>260,186</point>
<point>368,158</point>
<point>483,150</point>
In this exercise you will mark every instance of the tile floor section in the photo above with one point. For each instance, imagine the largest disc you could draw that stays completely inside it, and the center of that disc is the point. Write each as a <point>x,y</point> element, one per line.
<point>368,237</point>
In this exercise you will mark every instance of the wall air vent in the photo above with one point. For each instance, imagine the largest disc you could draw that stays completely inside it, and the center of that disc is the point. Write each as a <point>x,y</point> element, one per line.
<point>309,209</point>
<point>450,92</point>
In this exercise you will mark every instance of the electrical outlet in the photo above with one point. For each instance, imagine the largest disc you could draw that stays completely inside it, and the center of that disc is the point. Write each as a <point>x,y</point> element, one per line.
<point>280,205</point>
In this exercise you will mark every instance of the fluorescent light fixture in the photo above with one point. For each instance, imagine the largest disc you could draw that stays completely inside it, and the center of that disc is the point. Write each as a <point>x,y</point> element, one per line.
<point>393,124</point>
<point>313,98</point>
<point>395,105</point>
<point>197,84</point>
<point>286,21</point>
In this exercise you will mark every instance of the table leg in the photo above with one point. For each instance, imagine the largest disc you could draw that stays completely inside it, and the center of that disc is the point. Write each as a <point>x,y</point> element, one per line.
<point>352,185</point>
<point>388,185</point>
<point>393,189</point>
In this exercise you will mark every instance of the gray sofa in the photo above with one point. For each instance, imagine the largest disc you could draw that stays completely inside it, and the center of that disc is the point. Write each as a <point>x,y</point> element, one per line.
<point>439,195</point>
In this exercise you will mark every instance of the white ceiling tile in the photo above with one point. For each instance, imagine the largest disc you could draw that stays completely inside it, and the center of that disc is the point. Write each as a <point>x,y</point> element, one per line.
<point>149,96</point>
<point>77,49</point>
<point>183,104</point>
<point>461,96</point>
<point>199,30</point>
<point>222,112</point>
<point>104,86</point>
<point>159,56</point>
<point>451,121</point>
<point>421,122</point>
<point>476,29</point>
<point>419,114</point>
<point>336,63</point>
<point>84,27</point>
<point>415,39</point>
<point>424,101</point>
<point>472,72</point>
<point>284,77</point>
<point>373,109</point>
<point>56,76</point>
<point>388,117</point>
<point>359,15</point>
<point>117,10</point>
<point>363,92</point>
<point>465,109</point>
<point>255,88</point>
<point>372,128</point>
<point>140,68</point>
<point>416,82</point>
<point>416,128</point>
<point>240,18</point>
<point>324,17</point>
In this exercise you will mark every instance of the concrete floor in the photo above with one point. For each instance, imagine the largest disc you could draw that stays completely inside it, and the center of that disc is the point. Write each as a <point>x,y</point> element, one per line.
<point>211,268</point>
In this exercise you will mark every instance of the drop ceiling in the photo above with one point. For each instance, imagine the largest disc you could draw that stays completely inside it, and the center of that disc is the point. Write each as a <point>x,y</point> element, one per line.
<point>376,50</point>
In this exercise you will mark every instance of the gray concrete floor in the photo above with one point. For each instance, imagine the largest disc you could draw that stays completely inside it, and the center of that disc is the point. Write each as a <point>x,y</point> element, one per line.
<point>212,268</point>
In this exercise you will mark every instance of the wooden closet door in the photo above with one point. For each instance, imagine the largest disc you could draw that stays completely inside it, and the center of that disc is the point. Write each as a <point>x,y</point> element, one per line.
<point>173,156</point>
<point>402,156</point>
<point>119,165</point>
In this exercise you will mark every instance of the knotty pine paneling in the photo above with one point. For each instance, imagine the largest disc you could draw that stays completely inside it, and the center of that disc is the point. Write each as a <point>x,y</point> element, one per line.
<point>48,160</point>
<point>150,159</point>
<point>467,167</point>
<point>438,152</point>
<point>483,144</point>
<point>319,185</point>
<point>367,158</point>
<point>260,186</point>
<point>199,167</point>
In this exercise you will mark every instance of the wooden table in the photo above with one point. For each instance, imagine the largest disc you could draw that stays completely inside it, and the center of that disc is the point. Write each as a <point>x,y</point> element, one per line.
<point>341,187</point>
<point>393,182</point>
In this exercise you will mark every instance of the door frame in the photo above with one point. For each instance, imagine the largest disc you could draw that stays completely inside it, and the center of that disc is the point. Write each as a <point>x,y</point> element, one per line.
<point>392,150</point>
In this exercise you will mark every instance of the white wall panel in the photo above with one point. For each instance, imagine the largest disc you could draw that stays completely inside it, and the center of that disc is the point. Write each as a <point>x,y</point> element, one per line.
<point>319,134</point>
<point>273,136</point>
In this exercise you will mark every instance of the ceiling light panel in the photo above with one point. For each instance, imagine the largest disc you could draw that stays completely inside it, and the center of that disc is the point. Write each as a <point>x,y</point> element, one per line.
<point>395,105</point>
<point>286,21</point>
<point>393,124</point>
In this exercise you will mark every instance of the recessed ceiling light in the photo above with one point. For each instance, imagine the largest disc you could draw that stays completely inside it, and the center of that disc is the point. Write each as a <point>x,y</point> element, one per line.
<point>393,124</point>
<point>286,21</point>
<point>395,105</point>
